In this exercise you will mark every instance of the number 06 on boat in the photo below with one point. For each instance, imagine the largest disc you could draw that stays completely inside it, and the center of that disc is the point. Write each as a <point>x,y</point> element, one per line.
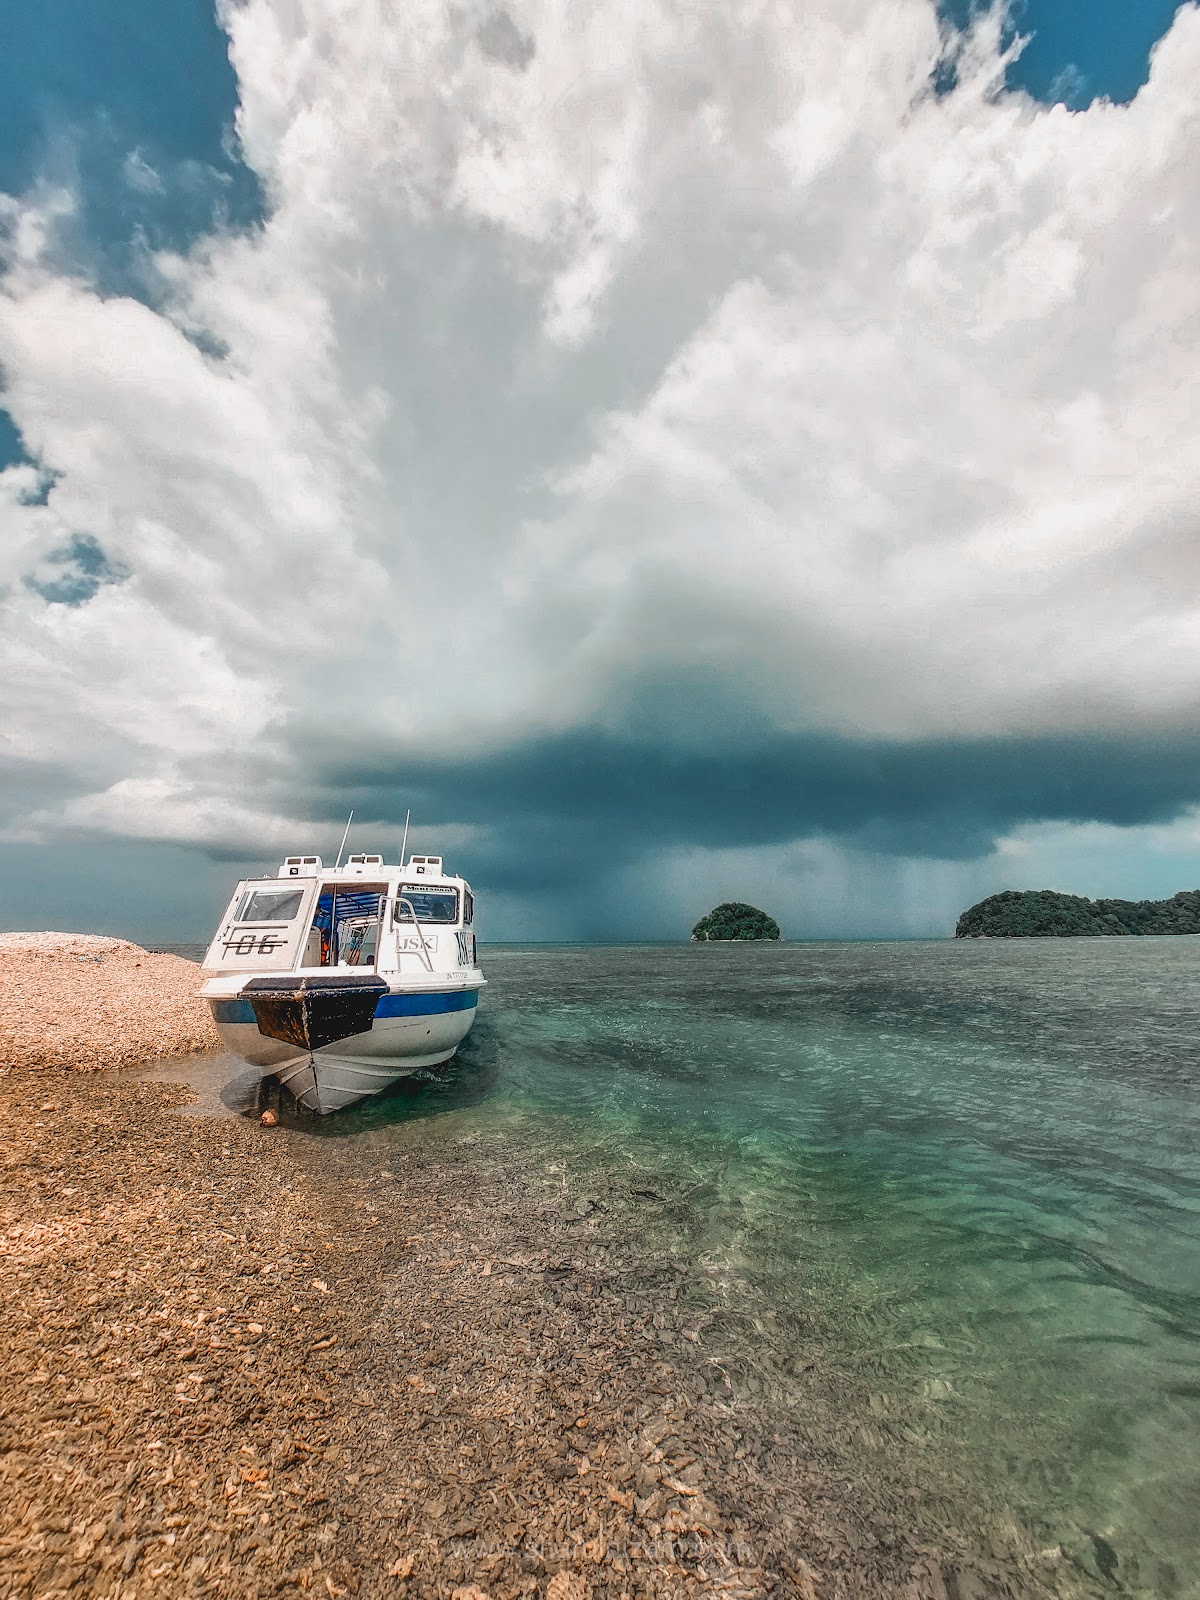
<point>340,981</point>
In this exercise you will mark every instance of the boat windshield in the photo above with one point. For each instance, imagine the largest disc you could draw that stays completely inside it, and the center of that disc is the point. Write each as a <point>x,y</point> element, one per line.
<point>430,905</point>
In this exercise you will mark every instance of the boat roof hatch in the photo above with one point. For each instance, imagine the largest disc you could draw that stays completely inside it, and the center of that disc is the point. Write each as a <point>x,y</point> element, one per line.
<point>361,864</point>
<point>300,867</point>
<point>426,866</point>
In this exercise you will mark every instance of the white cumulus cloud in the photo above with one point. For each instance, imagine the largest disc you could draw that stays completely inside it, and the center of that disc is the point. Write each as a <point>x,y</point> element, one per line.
<point>584,348</point>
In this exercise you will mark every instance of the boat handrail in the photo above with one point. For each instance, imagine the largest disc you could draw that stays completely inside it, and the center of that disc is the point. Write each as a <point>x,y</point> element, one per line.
<point>402,900</point>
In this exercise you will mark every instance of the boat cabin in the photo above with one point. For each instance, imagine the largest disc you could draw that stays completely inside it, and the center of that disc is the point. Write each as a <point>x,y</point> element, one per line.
<point>362,916</point>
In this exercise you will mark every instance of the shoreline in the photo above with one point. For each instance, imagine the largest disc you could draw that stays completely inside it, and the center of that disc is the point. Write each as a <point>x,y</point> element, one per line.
<point>229,1371</point>
<point>421,1361</point>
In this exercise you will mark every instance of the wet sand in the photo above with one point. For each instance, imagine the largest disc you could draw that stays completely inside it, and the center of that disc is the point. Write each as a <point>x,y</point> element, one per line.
<point>254,1361</point>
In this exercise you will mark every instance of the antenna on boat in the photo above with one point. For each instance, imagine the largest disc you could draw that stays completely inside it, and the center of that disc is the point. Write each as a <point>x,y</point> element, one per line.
<point>404,841</point>
<point>345,836</point>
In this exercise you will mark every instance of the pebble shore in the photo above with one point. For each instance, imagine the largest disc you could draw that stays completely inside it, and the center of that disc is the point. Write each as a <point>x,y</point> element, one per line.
<point>248,1361</point>
<point>87,1003</point>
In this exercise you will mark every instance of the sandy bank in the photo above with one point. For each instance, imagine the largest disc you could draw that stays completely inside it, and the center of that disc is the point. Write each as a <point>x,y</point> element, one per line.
<point>82,1002</point>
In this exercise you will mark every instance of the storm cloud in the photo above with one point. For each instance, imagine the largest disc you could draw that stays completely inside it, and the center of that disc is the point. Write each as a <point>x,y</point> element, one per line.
<point>547,804</point>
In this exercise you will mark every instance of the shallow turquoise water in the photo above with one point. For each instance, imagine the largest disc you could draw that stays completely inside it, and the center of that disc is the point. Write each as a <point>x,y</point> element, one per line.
<point>981,1159</point>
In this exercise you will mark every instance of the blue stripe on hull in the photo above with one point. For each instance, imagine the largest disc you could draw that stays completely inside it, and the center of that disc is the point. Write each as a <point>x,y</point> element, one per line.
<point>426,1005</point>
<point>390,1005</point>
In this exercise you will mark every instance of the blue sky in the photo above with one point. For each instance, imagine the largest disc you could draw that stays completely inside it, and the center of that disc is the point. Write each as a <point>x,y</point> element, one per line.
<point>89,91</point>
<point>364,376</point>
<point>85,88</point>
<point>1079,50</point>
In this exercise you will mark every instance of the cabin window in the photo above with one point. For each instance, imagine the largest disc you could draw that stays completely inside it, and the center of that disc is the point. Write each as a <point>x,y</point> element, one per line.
<point>270,905</point>
<point>468,908</point>
<point>430,905</point>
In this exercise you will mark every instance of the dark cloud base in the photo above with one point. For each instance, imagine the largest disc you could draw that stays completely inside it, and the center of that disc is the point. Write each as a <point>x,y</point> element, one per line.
<point>569,816</point>
<point>587,802</point>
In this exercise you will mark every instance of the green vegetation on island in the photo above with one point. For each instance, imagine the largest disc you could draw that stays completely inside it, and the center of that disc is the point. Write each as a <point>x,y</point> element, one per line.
<point>735,920</point>
<point>1046,914</point>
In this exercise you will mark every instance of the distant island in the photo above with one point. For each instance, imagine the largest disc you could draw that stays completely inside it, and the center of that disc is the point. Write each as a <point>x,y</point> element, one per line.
<point>1046,914</point>
<point>734,920</point>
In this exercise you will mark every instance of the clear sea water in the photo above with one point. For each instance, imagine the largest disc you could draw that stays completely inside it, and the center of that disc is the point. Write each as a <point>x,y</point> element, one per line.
<point>981,1157</point>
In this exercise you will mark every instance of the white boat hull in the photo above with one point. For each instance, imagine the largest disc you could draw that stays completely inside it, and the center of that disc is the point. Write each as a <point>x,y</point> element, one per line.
<point>336,1075</point>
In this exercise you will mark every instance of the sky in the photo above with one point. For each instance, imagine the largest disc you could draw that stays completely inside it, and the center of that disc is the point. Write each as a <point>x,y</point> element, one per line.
<point>681,453</point>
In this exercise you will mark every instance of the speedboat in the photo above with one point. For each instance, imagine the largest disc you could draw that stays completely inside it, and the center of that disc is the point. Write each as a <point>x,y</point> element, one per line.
<point>340,982</point>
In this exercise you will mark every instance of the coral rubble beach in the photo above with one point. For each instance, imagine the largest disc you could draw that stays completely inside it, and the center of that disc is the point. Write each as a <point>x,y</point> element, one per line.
<point>84,1002</point>
<point>246,1362</point>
